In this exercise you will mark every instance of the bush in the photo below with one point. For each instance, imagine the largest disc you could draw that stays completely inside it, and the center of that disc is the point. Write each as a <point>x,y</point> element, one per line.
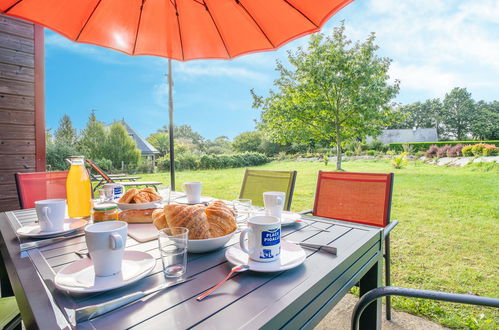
<point>442,151</point>
<point>409,148</point>
<point>104,164</point>
<point>466,151</point>
<point>455,151</point>
<point>399,161</point>
<point>490,150</point>
<point>483,149</point>
<point>377,145</point>
<point>56,156</point>
<point>348,153</point>
<point>431,152</point>
<point>371,152</point>
<point>422,146</point>
<point>191,161</point>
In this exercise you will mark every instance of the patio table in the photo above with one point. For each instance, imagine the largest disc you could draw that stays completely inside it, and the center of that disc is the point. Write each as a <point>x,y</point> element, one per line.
<point>296,298</point>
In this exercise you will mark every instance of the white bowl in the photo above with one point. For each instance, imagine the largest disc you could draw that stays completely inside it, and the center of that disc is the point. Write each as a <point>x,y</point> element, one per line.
<point>139,206</point>
<point>209,244</point>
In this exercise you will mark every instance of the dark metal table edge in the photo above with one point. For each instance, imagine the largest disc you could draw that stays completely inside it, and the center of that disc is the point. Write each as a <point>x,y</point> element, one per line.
<point>27,285</point>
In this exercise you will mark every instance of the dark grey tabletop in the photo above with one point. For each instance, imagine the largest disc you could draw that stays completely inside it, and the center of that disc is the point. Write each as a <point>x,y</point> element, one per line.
<point>296,298</point>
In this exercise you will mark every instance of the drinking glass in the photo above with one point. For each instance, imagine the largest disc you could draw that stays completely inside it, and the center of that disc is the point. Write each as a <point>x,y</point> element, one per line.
<point>165,193</point>
<point>173,249</point>
<point>242,207</point>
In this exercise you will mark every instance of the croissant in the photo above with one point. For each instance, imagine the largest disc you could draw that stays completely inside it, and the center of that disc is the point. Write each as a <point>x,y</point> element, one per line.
<point>191,217</point>
<point>221,219</point>
<point>158,218</point>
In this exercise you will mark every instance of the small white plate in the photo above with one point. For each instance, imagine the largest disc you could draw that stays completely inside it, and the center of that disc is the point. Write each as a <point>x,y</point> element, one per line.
<point>287,218</point>
<point>34,230</point>
<point>292,256</point>
<point>79,276</point>
<point>139,206</point>
<point>183,200</point>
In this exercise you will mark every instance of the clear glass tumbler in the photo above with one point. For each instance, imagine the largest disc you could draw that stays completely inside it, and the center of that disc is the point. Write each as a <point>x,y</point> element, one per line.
<point>173,249</point>
<point>242,207</point>
<point>165,192</point>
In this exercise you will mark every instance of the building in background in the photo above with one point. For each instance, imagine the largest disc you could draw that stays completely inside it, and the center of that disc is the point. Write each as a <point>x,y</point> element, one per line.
<point>407,135</point>
<point>149,153</point>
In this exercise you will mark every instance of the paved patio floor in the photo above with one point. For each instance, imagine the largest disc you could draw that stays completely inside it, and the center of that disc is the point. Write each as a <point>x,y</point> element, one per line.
<point>339,318</point>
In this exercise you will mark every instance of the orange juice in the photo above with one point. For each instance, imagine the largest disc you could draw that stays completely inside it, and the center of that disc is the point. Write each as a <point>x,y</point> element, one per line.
<point>78,189</point>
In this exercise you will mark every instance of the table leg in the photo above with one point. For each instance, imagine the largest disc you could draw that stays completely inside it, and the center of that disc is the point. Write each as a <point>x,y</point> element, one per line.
<point>371,318</point>
<point>5,287</point>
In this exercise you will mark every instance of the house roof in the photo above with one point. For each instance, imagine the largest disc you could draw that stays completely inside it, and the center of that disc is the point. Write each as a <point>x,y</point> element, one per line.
<point>407,135</point>
<point>145,147</point>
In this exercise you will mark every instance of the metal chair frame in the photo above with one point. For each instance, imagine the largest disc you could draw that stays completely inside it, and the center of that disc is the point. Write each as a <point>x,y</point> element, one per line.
<point>387,291</point>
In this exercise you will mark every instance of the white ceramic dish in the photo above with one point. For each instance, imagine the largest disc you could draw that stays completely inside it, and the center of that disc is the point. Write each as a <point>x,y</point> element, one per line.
<point>183,200</point>
<point>209,244</point>
<point>292,256</point>
<point>34,231</point>
<point>79,276</point>
<point>139,206</point>
<point>287,218</point>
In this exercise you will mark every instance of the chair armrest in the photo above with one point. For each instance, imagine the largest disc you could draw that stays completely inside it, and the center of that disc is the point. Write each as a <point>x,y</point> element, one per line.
<point>307,212</point>
<point>389,228</point>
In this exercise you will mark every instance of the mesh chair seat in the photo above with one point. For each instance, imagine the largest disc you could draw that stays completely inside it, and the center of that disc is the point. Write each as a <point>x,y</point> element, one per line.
<point>37,186</point>
<point>256,182</point>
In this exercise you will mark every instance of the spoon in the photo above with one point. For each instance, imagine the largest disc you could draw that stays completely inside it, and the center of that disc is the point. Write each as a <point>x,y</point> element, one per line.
<point>82,254</point>
<point>235,269</point>
<point>311,225</point>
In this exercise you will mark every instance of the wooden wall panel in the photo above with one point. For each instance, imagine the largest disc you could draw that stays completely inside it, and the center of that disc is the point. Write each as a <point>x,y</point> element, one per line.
<point>22,114</point>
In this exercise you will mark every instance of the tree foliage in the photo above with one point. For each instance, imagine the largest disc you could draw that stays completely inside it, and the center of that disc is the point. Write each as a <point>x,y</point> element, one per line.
<point>485,126</point>
<point>458,113</point>
<point>334,91</point>
<point>91,143</point>
<point>160,141</point>
<point>120,147</point>
<point>66,133</point>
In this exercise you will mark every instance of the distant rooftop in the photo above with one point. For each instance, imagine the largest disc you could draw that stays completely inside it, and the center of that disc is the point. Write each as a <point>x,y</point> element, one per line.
<point>407,135</point>
<point>145,147</point>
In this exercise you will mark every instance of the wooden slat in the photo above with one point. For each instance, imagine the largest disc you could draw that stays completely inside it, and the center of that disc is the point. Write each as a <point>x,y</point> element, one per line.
<point>40,140</point>
<point>17,117</point>
<point>17,161</point>
<point>8,176</point>
<point>9,86</point>
<point>17,72</point>
<point>17,43</point>
<point>17,58</point>
<point>17,102</point>
<point>9,204</point>
<point>17,147</point>
<point>16,27</point>
<point>16,132</point>
<point>9,191</point>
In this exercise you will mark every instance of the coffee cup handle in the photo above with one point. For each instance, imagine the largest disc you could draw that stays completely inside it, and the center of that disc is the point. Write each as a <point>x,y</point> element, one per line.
<point>242,241</point>
<point>280,201</point>
<point>116,241</point>
<point>46,212</point>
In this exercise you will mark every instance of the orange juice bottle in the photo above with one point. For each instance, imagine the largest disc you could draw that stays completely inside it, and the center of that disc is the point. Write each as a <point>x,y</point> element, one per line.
<point>78,189</point>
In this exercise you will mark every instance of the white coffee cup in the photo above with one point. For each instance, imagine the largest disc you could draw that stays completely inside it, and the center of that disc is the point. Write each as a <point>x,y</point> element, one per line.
<point>274,203</point>
<point>264,238</point>
<point>51,214</point>
<point>114,191</point>
<point>193,192</point>
<point>106,243</point>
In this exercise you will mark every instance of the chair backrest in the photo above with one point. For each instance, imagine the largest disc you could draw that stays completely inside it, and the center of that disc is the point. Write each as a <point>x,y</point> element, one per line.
<point>100,171</point>
<point>357,197</point>
<point>37,186</point>
<point>256,182</point>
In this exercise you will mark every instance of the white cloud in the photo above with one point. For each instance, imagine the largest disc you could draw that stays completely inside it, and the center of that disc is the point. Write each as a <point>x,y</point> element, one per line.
<point>213,69</point>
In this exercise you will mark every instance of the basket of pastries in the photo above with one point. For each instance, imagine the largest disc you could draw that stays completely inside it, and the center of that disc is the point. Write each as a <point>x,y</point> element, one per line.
<point>135,199</point>
<point>210,227</point>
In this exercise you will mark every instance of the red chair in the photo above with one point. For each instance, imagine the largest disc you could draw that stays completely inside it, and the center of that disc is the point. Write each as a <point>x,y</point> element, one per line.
<point>363,198</point>
<point>36,186</point>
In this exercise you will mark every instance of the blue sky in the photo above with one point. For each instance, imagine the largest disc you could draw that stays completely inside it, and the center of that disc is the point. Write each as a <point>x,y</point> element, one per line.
<point>434,45</point>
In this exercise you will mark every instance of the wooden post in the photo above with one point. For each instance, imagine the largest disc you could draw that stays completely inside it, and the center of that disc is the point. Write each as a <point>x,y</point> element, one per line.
<point>170,130</point>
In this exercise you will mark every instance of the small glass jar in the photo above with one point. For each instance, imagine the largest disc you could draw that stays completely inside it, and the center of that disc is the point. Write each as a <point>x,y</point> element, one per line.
<point>105,212</point>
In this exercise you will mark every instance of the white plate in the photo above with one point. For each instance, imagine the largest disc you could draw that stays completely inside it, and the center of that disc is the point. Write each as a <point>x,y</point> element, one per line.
<point>139,206</point>
<point>34,230</point>
<point>183,200</point>
<point>292,256</point>
<point>79,276</point>
<point>209,244</point>
<point>287,218</point>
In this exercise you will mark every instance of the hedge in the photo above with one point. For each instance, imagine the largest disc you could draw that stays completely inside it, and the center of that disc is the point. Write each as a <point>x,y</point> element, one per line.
<point>423,146</point>
<point>204,162</point>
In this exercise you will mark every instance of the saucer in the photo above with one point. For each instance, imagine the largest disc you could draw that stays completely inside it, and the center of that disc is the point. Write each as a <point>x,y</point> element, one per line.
<point>34,230</point>
<point>183,200</point>
<point>292,256</point>
<point>288,218</point>
<point>79,276</point>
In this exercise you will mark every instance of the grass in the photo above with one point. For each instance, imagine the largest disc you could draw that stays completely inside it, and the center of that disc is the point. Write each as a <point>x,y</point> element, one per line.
<point>447,238</point>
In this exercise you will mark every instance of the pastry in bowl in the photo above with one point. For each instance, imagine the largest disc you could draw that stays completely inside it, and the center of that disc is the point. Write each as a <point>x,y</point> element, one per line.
<point>135,199</point>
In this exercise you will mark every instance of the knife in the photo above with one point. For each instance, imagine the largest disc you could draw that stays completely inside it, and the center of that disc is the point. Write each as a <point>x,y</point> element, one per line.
<point>89,312</point>
<point>45,242</point>
<point>322,247</point>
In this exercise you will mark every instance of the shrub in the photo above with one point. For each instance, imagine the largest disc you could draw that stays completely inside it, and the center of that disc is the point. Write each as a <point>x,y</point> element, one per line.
<point>358,150</point>
<point>455,151</point>
<point>348,153</point>
<point>431,152</point>
<point>489,150</point>
<point>422,146</point>
<point>409,148</point>
<point>399,161</point>
<point>466,151</point>
<point>377,145</point>
<point>442,151</point>
<point>371,152</point>
<point>190,161</point>
<point>104,164</point>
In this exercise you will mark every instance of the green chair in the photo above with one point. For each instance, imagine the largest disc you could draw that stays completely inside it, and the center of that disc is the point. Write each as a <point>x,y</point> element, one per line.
<point>9,314</point>
<point>256,182</point>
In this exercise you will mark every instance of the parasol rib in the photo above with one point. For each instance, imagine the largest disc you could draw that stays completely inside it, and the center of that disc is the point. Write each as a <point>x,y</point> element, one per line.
<point>308,19</point>
<point>138,26</point>
<point>6,10</point>
<point>258,25</point>
<point>174,3</point>
<point>218,30</point>
<point>88,19</point>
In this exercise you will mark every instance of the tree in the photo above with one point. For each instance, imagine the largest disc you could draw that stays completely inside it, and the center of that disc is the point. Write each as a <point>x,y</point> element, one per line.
<point>160,141</point>
<point>458,113</point>
<point>185,132</point>
<point>66,133</point>
<point>485,125</point>
<point>335,92</point>
<point>422,115</point>
<point>120,147</point>
<point>248,141</point>
<point>91,143</point>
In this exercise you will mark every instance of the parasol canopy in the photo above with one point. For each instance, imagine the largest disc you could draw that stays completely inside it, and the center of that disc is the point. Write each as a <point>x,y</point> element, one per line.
<point>179,29</point>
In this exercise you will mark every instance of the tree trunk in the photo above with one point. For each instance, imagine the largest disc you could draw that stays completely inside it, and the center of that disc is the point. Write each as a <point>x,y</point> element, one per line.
<point>338,143</point>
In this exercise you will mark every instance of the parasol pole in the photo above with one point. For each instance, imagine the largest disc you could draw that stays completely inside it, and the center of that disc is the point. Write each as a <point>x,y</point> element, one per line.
<point>170,130</point>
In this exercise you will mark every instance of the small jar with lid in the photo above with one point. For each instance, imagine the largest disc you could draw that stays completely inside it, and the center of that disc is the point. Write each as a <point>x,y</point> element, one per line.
<point>105,212</point>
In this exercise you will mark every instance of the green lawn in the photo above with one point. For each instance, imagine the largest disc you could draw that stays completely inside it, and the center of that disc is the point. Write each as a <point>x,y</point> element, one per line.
<point>447,238</point>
